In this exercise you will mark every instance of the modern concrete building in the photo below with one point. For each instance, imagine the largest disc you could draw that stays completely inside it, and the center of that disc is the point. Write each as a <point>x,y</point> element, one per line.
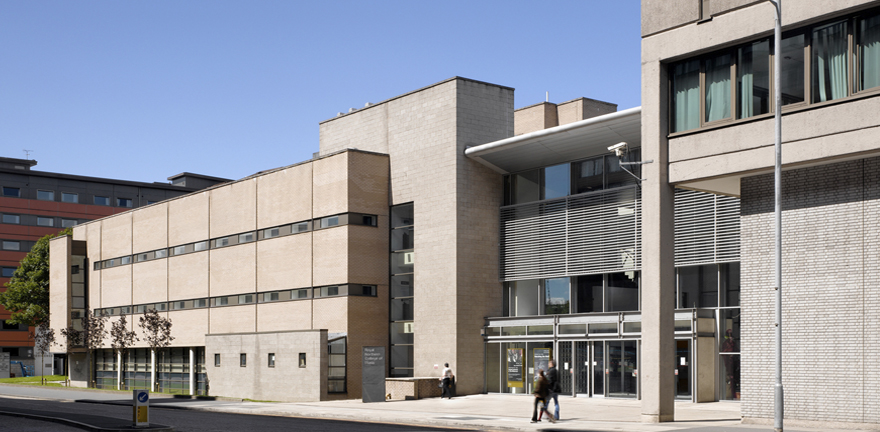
<point>707,122</point>
<point>501,238</point>
<point>37,203</point>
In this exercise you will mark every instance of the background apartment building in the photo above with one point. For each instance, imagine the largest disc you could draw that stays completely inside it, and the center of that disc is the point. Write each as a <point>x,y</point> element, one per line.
<point>708,120</point>
<point>37,203</point>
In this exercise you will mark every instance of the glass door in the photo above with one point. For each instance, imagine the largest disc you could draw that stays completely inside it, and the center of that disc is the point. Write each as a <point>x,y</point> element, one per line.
<point>621,369</point>
<point>582,367</point>
<point>565,362</point>
<point>598,369</point>
<point>683,369</point>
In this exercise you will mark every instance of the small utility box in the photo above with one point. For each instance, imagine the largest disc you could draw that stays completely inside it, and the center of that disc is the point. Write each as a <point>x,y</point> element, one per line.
<point>141,407</point>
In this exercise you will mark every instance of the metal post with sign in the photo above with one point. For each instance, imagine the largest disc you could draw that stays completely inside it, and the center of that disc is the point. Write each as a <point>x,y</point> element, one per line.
<point>141,407</point>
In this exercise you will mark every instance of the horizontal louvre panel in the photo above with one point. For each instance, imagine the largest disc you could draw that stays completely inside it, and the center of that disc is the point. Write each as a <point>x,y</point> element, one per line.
<point>706,228</point>
<point>597,232</point>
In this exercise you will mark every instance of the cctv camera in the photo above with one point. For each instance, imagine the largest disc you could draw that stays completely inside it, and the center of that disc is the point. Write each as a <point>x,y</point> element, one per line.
<point>617,146</point>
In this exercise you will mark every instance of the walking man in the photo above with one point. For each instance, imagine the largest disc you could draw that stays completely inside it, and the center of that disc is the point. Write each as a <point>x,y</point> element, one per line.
<point>554,386</point>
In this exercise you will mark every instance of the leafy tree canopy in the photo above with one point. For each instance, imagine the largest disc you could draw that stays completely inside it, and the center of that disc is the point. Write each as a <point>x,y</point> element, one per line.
<point>27,293</point>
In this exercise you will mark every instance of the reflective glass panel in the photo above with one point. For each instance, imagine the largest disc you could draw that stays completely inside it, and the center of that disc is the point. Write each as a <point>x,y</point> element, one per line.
<point>588,175</point>
<point>589,293</point>
<point>557,298</point>
<point>686,96</point>
<point>792,62</point>
<point>717,87</point>
<point>829,62</point>
<point>557,181</point>
<point>622,293</point>
<point>869,52</point>
<point>526,187</point>
<point>753,79</point>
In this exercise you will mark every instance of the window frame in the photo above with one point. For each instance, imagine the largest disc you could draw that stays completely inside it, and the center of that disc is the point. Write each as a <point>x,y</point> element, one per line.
<point>853,74</point>
<point>46,191</point>
<point>67,194</point>
<point>4,189</point>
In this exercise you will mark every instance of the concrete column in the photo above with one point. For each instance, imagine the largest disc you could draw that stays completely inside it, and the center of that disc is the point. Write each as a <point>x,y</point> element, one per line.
<point>658,266</point>
<point>192,371</point>
<point>152,370</point>
<point>119,370</point>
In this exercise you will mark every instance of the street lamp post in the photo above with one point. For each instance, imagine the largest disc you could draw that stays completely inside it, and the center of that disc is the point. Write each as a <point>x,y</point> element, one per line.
<point>779,404</point>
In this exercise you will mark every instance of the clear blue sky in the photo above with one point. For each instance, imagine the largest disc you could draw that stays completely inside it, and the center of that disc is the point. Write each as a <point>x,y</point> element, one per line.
<point>141,90</point>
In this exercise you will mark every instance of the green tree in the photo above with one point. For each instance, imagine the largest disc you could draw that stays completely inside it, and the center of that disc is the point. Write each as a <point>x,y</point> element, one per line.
<point>27,293</point>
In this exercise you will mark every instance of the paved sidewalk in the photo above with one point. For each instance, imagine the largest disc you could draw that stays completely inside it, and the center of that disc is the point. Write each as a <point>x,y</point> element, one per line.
<point>479,412</point>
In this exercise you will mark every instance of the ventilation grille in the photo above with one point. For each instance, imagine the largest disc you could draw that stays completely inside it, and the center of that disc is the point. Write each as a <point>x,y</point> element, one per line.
<point>597,232</point>
<point>706,228</point>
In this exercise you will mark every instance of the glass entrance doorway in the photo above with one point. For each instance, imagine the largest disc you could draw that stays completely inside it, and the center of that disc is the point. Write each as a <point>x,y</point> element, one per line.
<point>620,371</point>
<point>682,369</point>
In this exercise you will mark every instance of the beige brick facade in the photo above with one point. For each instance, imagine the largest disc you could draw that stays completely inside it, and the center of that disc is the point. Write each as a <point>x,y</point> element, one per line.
<point>348,181</point>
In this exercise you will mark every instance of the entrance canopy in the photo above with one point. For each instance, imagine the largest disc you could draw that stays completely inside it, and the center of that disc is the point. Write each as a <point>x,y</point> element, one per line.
<point>561,144</point>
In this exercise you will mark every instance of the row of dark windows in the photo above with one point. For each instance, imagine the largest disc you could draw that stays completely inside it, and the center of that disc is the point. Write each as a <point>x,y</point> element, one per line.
<point>820,63</point>
<point>242,238</point>
<point>571,178</point>
<point>16,245</point>
<point>37,220</point>
<point>73,198</point>
<point>245,299</point>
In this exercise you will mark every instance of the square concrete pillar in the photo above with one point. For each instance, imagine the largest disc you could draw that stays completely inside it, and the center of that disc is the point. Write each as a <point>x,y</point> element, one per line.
<point>658,265</point>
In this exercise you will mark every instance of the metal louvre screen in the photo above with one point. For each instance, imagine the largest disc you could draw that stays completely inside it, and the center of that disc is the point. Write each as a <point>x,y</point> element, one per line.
<point>596,232</point>
<point>706,228</point>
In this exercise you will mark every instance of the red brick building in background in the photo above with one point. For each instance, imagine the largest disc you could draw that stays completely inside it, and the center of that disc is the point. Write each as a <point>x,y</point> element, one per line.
<point>35,203</point>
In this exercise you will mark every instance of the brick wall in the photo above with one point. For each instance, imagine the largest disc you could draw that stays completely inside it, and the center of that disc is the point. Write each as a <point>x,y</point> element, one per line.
<point>831,297</point>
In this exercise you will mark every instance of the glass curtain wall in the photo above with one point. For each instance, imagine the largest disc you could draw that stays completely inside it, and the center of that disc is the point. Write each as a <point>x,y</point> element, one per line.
<point>137,369</point>
<point>336,365</point>
<point>717,287</point>
<point>588,175</point>
<point>402,267</point>
<point>613,292</point>
<point>172,370</point>
<point>105,369</point>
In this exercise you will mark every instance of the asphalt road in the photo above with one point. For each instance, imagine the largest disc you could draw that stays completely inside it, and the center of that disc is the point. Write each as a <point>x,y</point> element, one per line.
<point>186,420</point>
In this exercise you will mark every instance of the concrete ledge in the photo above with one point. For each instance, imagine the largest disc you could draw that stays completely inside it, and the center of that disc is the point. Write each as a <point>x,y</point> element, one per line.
<point>412,387</point>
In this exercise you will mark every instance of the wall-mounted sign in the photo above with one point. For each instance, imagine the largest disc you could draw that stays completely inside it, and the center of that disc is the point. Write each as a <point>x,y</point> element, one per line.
<point>514,367</point>
<point>541,357</point>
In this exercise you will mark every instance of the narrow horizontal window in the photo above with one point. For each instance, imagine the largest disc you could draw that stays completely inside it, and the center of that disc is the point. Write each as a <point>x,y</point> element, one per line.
<point>45,195</point>
<point>220,242</point>
<point>67,223</point>
<point>200,246</point>
<point>123,202</point>
<point>45,221</point>
<point>69,197</point>
<point>329,221</point>
<point>271,232</point>
<point>161,253</point>
<point>11,192</point>
<point>8,272</point>
<point>11,219</point>
<point>125,260</point>
<point>142,257</point>
<point>102,200</point>
<point>246,237</point>
<point>200,303</point>
<point>300,227</point>
<point>179,250</point>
